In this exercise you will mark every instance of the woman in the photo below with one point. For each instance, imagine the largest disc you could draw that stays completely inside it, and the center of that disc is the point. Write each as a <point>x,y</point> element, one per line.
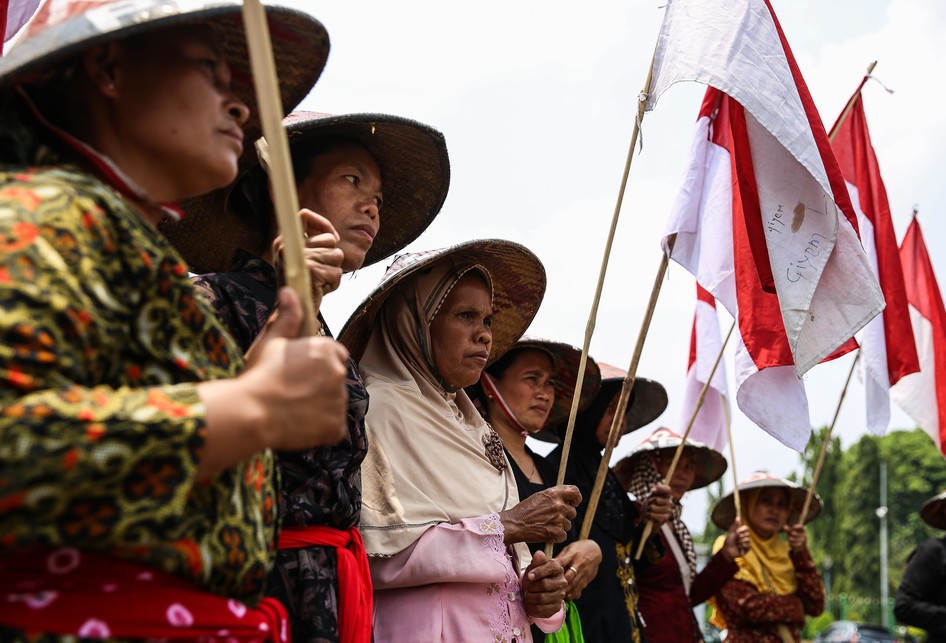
<point>670,587</point>
<point>777,583</point>
<point>340,163</point>
<point>520,394</point>
<point>608,606</point>
<point>443,525</point>
<point>921,597</point>
<point>135,474</point>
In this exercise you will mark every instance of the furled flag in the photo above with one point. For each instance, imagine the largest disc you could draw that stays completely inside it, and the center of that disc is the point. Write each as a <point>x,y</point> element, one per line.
<point>923,395</point>
<point>711,422</point>
<point>763,220</point>
<point>888,351</point>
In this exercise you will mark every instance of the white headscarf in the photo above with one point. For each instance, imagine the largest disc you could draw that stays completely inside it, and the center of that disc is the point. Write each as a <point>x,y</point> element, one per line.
<point>427,459</point>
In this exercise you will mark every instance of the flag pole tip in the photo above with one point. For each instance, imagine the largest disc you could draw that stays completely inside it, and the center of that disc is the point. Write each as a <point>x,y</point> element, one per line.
<point>870,67</point>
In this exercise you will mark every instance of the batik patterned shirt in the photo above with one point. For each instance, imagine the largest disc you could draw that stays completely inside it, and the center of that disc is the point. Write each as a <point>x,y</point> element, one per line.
<point>320,487</point>
<point>103,339</point>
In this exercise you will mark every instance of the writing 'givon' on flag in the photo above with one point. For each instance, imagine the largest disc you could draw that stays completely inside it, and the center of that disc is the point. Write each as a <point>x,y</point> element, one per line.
<point>763,219</point>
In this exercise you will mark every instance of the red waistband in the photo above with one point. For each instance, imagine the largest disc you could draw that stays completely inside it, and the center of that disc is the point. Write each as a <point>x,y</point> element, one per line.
<point>355,608</point>
<point>67,591</point>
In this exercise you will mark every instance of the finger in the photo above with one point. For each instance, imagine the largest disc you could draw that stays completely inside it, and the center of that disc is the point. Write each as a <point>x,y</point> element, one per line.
<point>316,224</point>
<point>569,494</point>
<point>548,569</point>
<point>288,322</point>
<point>324,240</point>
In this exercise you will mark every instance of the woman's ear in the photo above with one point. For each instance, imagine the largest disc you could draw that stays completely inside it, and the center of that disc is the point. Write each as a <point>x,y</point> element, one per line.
<point>101,65</point>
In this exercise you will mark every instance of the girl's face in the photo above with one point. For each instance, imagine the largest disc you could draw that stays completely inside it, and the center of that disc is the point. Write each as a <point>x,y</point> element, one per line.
<point>172,122</point>
<point>528,388</point>
<point>770,512</point>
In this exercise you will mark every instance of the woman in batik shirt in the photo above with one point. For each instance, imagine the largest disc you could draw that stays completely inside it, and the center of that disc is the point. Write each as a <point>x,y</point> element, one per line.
<point>125,472</point>
<point>341,163</point>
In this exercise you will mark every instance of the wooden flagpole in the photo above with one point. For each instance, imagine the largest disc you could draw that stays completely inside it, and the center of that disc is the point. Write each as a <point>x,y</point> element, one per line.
<point>279,166</point>
<point>732,458</point>
<point>826,443</point>
<point>850,105</point>
<point>614,432</point>
<point>686,434</point>
<point>606,257</point>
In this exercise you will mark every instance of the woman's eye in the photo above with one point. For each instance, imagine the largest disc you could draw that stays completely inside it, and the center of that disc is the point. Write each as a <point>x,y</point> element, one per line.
<point>354,180</point>
<point>378,201</point>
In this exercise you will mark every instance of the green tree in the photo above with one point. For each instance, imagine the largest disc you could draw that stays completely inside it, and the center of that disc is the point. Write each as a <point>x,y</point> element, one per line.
<point>848,529</point>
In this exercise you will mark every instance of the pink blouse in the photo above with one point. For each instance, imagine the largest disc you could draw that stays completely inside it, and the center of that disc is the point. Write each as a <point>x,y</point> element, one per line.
<point>456,583</point>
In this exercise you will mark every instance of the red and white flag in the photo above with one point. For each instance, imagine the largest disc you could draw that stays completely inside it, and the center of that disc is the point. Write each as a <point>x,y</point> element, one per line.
<point>888,350</point>
<point>711,422</point>
<point>923,395</point>
<point>764,220</point>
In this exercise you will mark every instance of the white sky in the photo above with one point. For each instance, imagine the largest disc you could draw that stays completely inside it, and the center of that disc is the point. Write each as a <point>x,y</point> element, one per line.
<point>536,100</point>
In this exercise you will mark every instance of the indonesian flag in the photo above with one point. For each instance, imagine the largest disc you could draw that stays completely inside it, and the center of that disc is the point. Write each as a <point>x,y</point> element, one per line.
<point>711,422</point>
<point>888,351</point>
<point>923,395</point>
<point>764,220</point>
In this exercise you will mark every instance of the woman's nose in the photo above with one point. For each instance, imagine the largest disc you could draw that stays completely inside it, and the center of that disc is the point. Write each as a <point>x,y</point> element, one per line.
<point>238,110</point>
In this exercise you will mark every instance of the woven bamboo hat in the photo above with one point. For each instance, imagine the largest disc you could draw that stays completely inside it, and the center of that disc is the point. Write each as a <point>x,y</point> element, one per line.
<point>724,513</point>
<point>648,399</point>
<point>709,463</point>
<point>63,28</point>
<point>565,361</point>
<point>933,511</point>
<point>517,275</point>
<point>415,174</point>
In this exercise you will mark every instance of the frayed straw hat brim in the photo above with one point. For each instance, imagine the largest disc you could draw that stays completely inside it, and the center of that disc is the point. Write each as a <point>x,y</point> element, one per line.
<point>300,43</point>
<point>724,513</point>
<point>710,464</point>
<point>518,287</point>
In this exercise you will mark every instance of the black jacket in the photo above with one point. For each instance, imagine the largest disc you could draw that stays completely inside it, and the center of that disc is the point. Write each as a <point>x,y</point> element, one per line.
<point>921,597</point>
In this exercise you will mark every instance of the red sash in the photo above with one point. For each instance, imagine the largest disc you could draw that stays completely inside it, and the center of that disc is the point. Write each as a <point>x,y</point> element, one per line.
<point>355,608</point>
<point>67,591</point>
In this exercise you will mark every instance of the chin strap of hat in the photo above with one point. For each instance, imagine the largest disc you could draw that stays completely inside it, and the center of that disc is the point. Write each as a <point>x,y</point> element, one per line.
<point>492,392</point>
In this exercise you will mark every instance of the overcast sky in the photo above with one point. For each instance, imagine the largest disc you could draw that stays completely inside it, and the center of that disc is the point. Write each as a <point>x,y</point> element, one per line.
<point>536,99</point>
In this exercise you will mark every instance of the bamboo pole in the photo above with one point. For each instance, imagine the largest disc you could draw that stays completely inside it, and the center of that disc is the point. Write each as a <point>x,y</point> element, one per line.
<point>614,432</point>
<point>605,259</point>
<point>278,164</point>
<point>732,458</point>
<point>686,434</point>
<point>826,443</point>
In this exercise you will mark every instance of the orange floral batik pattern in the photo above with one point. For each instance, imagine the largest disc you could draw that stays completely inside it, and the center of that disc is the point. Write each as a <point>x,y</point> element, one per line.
<point>102,341</point>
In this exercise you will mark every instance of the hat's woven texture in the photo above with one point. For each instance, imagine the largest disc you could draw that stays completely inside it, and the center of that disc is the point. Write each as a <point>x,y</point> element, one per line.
<point>518,279</point>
